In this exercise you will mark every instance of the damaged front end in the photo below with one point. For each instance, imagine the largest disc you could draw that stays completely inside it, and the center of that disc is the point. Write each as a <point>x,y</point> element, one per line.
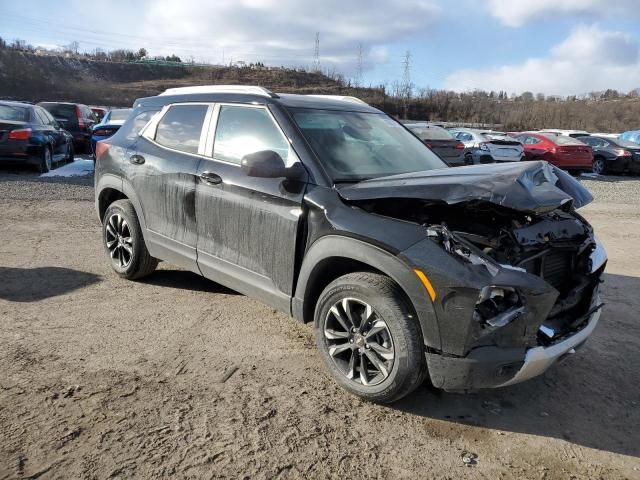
<point>515,285</point>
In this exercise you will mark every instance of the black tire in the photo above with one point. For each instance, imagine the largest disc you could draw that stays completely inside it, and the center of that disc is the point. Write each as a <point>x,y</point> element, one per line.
<point>46,160</point>
<point>388,303</point>
<point>70,153</point>
<point>130,258</point>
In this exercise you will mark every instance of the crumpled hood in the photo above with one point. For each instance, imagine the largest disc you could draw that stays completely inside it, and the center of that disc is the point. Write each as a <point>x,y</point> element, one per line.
<point>535,187</point>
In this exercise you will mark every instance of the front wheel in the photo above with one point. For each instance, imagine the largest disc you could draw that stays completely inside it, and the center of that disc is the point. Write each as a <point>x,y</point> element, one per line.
<point>124,242</point>
<point>70,157</point>
<point>369,337</point>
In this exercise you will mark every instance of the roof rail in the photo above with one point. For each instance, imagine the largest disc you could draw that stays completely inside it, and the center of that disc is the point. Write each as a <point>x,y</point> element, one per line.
<point>247,89</point>
<point>343,98</point>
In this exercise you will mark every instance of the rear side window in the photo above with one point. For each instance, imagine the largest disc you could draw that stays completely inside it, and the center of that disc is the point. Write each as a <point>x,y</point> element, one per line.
<point>14,114</point>
<point>244,130</point>
<point>133,126</point>
<point>180,128</point>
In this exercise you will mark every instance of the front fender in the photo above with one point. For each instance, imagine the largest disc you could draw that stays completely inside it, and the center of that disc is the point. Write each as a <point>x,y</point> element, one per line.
<point>334,246</point>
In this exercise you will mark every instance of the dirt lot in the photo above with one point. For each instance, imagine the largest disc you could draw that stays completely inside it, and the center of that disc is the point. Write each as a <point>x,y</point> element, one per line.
<point>177,376</point>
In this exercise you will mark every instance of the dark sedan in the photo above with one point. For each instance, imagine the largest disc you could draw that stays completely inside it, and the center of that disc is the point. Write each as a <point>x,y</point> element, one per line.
<point>29,135</point>
<point>613,155</point>
<point>440,141</point>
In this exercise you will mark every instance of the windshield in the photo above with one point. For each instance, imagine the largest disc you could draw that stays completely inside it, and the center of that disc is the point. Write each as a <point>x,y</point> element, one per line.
<point>355,146</point>
<point>562,139</point>
<point>120,114</point>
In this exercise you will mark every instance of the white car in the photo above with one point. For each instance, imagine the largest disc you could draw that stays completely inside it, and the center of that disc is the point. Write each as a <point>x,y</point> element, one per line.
<point>566,133</point>
<point>488,146</point>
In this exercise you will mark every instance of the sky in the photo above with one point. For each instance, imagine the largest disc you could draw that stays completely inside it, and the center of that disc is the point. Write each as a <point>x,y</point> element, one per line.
<point>555,47</point>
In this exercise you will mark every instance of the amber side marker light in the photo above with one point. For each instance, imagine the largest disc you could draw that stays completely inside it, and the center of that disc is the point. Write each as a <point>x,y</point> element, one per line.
<point>427,284</point>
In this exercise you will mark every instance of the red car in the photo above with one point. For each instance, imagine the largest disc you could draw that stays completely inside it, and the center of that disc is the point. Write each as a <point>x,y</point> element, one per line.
<point>562,151</point>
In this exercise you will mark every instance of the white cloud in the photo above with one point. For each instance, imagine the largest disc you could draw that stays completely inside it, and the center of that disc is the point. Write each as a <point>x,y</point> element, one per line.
<point>590,59</point>
<point>515,13</point>
<point>283,31</point>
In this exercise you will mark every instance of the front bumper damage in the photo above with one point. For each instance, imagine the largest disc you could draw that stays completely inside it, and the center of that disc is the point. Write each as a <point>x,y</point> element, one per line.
<point>495,366</point>
<point>537,360</point>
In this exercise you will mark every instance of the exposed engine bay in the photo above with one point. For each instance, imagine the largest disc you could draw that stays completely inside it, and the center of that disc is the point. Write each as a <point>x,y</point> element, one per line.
<point>554,245</point>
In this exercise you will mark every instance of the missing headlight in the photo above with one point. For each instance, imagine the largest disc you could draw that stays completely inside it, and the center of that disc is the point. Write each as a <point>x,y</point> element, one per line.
<point>461,249</point>
<point>498,306</point>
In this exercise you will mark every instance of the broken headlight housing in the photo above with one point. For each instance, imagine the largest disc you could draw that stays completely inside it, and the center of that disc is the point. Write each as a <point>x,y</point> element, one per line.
<point>498,306</point>
<point>461,249</point>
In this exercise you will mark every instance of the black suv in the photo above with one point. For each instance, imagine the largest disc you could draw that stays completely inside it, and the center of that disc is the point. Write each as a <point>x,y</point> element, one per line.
<point>77,119</point>
<point>335,213</point>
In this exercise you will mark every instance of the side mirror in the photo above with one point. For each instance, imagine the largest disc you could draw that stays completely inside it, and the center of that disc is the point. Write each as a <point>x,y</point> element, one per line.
<point>62,123</point>
<point>268,164</point>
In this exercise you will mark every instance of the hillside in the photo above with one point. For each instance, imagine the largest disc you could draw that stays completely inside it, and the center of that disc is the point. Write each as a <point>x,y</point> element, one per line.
<point>25,75</point>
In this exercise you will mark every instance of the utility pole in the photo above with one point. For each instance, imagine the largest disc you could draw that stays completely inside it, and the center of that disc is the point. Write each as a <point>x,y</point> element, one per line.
<point>316,54</point>
<point>406,83</point>
<point>358,80</point>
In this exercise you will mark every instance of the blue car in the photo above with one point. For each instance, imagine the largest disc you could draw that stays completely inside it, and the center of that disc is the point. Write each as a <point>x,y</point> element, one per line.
<point>109,125</point>
<point>632,136</point>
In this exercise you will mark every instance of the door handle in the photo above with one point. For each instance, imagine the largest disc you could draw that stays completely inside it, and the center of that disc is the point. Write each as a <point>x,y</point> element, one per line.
<point>212,178</point>
<point>136,159</point>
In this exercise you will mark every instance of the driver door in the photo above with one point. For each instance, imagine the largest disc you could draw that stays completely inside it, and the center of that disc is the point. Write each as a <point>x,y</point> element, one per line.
<point>248,226</point>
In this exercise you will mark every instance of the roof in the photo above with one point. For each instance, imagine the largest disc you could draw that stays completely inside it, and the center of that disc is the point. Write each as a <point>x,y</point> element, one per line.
<point>13,103</point>
<point>255,95</point>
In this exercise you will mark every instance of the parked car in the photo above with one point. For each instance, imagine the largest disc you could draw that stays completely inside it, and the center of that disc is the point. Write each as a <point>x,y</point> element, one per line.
<point>631,136</point>
<point>613,155</point>
<point>607,135</point>
<point>29,135</point>
<point>77,119</point>
<point>334,213</point>
<point>99,112</point>
<point>109,125</point>
<point>440,141</point>
<point>566,133</point>
<point>562,151</point>
<point>487,146</point>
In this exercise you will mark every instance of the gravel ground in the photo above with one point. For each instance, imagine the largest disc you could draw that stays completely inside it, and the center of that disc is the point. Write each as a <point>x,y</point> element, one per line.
<point>177,376</point>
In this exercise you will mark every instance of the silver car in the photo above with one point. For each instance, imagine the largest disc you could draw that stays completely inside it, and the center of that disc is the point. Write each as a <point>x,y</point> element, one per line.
<point>487,146</point>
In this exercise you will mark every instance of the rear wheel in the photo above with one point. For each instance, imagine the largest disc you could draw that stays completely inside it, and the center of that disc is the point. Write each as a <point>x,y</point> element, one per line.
<point>599,166</point>
<point>369,338</point>
<point>45,160</point>
<point>124,242</point>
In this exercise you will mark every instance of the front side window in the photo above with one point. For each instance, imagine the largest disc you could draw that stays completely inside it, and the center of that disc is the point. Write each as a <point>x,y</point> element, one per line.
<point>354,146</point>
<point>244,130</point>
<point>181,126</point>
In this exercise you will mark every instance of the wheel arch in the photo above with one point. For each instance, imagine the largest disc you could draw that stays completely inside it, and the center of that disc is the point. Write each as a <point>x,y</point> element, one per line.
<point>333,256</point>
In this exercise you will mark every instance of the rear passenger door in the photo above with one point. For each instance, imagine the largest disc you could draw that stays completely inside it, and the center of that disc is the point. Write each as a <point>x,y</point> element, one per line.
<point>56,137</point>
<point>248,226</point>
<point>162,167</point>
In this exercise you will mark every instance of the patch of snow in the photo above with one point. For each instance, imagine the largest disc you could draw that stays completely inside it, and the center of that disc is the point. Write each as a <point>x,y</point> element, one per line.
<point>590,175</point>
<point>79,168</point>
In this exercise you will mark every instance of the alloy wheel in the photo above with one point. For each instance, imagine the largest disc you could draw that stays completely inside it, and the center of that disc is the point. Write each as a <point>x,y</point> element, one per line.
<point>359,342</point>
<point>119,241</point>
<point>598,166</point>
